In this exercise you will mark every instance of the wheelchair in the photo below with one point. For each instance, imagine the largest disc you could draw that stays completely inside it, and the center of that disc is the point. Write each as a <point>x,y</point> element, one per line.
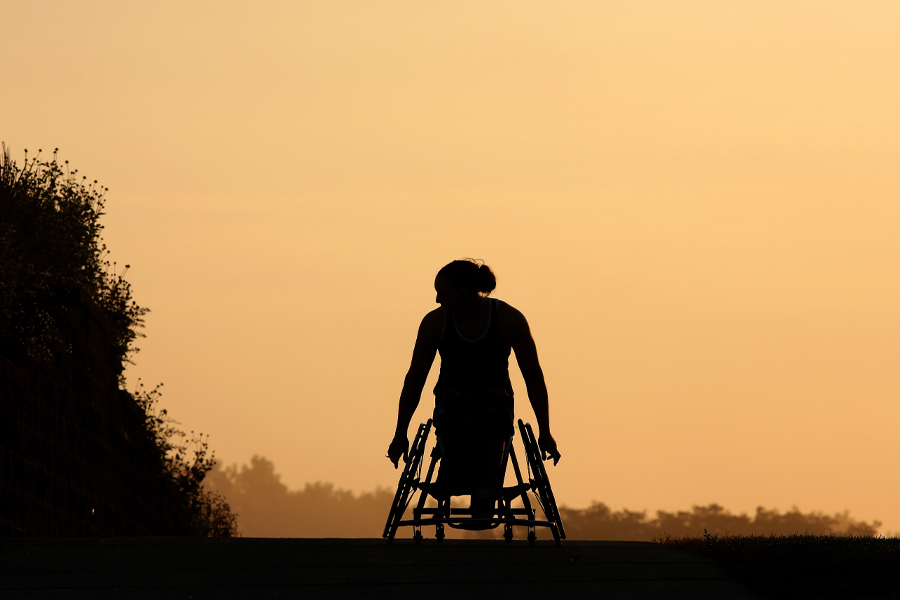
<point>503,512</point>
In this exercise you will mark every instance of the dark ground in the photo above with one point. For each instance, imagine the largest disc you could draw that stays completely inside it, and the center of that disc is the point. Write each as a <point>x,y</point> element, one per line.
<point>344,568</point>
<point>797,567</point>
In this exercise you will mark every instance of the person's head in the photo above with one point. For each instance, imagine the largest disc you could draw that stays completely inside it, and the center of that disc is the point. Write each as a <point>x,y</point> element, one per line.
<point>462,281</point>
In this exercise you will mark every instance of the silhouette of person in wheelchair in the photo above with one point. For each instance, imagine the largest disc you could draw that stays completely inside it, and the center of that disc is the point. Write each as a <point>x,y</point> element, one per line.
<point>473,414</point>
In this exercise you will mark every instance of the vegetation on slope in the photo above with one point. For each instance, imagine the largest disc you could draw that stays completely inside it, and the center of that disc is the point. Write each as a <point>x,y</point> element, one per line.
<point>50,250</point>
<point>52,254</point>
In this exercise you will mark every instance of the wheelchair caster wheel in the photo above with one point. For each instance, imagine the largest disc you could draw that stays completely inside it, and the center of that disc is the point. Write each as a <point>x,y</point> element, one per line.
<point>417,536</point>
<point>439,534</point>
<point>532,536</point>
<point>508,534</point>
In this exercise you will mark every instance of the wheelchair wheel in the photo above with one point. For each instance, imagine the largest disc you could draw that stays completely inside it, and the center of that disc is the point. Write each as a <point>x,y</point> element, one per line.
<point>541,483</point>
<point>409,480</point>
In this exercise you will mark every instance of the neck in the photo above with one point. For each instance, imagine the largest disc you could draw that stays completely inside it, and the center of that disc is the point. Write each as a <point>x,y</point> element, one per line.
<point>471,306</point>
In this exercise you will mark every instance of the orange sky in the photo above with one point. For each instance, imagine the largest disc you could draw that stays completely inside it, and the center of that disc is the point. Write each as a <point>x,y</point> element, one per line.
<point>694,203</point>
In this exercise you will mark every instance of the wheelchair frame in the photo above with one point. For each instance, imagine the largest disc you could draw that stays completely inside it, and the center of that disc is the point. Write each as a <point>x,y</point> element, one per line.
<point>504,513</point>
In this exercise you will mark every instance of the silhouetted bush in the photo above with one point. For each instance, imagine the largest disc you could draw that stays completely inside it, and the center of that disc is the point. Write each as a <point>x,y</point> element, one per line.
<point>50,249</point>
<point>51,259</point>
<point>186,462</point>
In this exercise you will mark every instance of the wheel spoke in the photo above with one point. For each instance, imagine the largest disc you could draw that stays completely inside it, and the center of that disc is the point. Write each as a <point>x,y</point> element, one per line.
<point>541,482</point>
<point>409,481</point>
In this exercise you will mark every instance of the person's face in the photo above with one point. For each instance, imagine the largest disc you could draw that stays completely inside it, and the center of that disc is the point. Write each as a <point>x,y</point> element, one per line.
<point>446,295</point>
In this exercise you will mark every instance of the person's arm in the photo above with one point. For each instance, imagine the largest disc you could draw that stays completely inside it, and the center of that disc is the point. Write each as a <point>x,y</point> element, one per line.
<point>422,359</point>
<point>526,355</point>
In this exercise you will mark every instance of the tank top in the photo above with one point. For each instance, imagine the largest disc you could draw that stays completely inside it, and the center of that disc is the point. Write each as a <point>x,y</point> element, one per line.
<point>474,364</point>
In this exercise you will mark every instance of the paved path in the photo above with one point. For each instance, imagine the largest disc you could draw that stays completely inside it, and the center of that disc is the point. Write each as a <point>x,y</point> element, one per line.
<point>335,568</point>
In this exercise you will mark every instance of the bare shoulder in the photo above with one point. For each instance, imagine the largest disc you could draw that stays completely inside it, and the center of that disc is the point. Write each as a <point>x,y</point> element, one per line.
<point>513,324</point>
<point>508,312</point>
<point>432,324</point>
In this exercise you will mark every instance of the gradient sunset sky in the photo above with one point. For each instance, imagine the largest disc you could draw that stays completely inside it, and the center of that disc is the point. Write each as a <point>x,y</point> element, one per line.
<point>696,205</point>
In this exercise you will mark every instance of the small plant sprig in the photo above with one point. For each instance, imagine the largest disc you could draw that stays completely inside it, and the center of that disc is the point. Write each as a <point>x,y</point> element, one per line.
<point>186,460</point>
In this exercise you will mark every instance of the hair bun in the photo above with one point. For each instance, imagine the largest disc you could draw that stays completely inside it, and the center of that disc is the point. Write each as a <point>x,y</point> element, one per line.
<point>486,279</point>
<point>467,273</point>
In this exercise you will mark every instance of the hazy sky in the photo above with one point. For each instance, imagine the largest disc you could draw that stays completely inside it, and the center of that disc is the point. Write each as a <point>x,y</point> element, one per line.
<point>696,205</point>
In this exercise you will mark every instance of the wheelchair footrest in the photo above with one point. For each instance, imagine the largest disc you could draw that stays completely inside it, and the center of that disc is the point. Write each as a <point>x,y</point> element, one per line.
<point>513,492</point>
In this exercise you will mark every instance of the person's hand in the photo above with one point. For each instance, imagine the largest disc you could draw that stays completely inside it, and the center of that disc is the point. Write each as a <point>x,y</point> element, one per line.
<point>399,446</point>
<point>548,447</point>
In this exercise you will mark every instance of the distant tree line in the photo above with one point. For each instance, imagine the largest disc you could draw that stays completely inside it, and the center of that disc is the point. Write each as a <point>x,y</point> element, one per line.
<point>266,507</point>
<point>600,522</point>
